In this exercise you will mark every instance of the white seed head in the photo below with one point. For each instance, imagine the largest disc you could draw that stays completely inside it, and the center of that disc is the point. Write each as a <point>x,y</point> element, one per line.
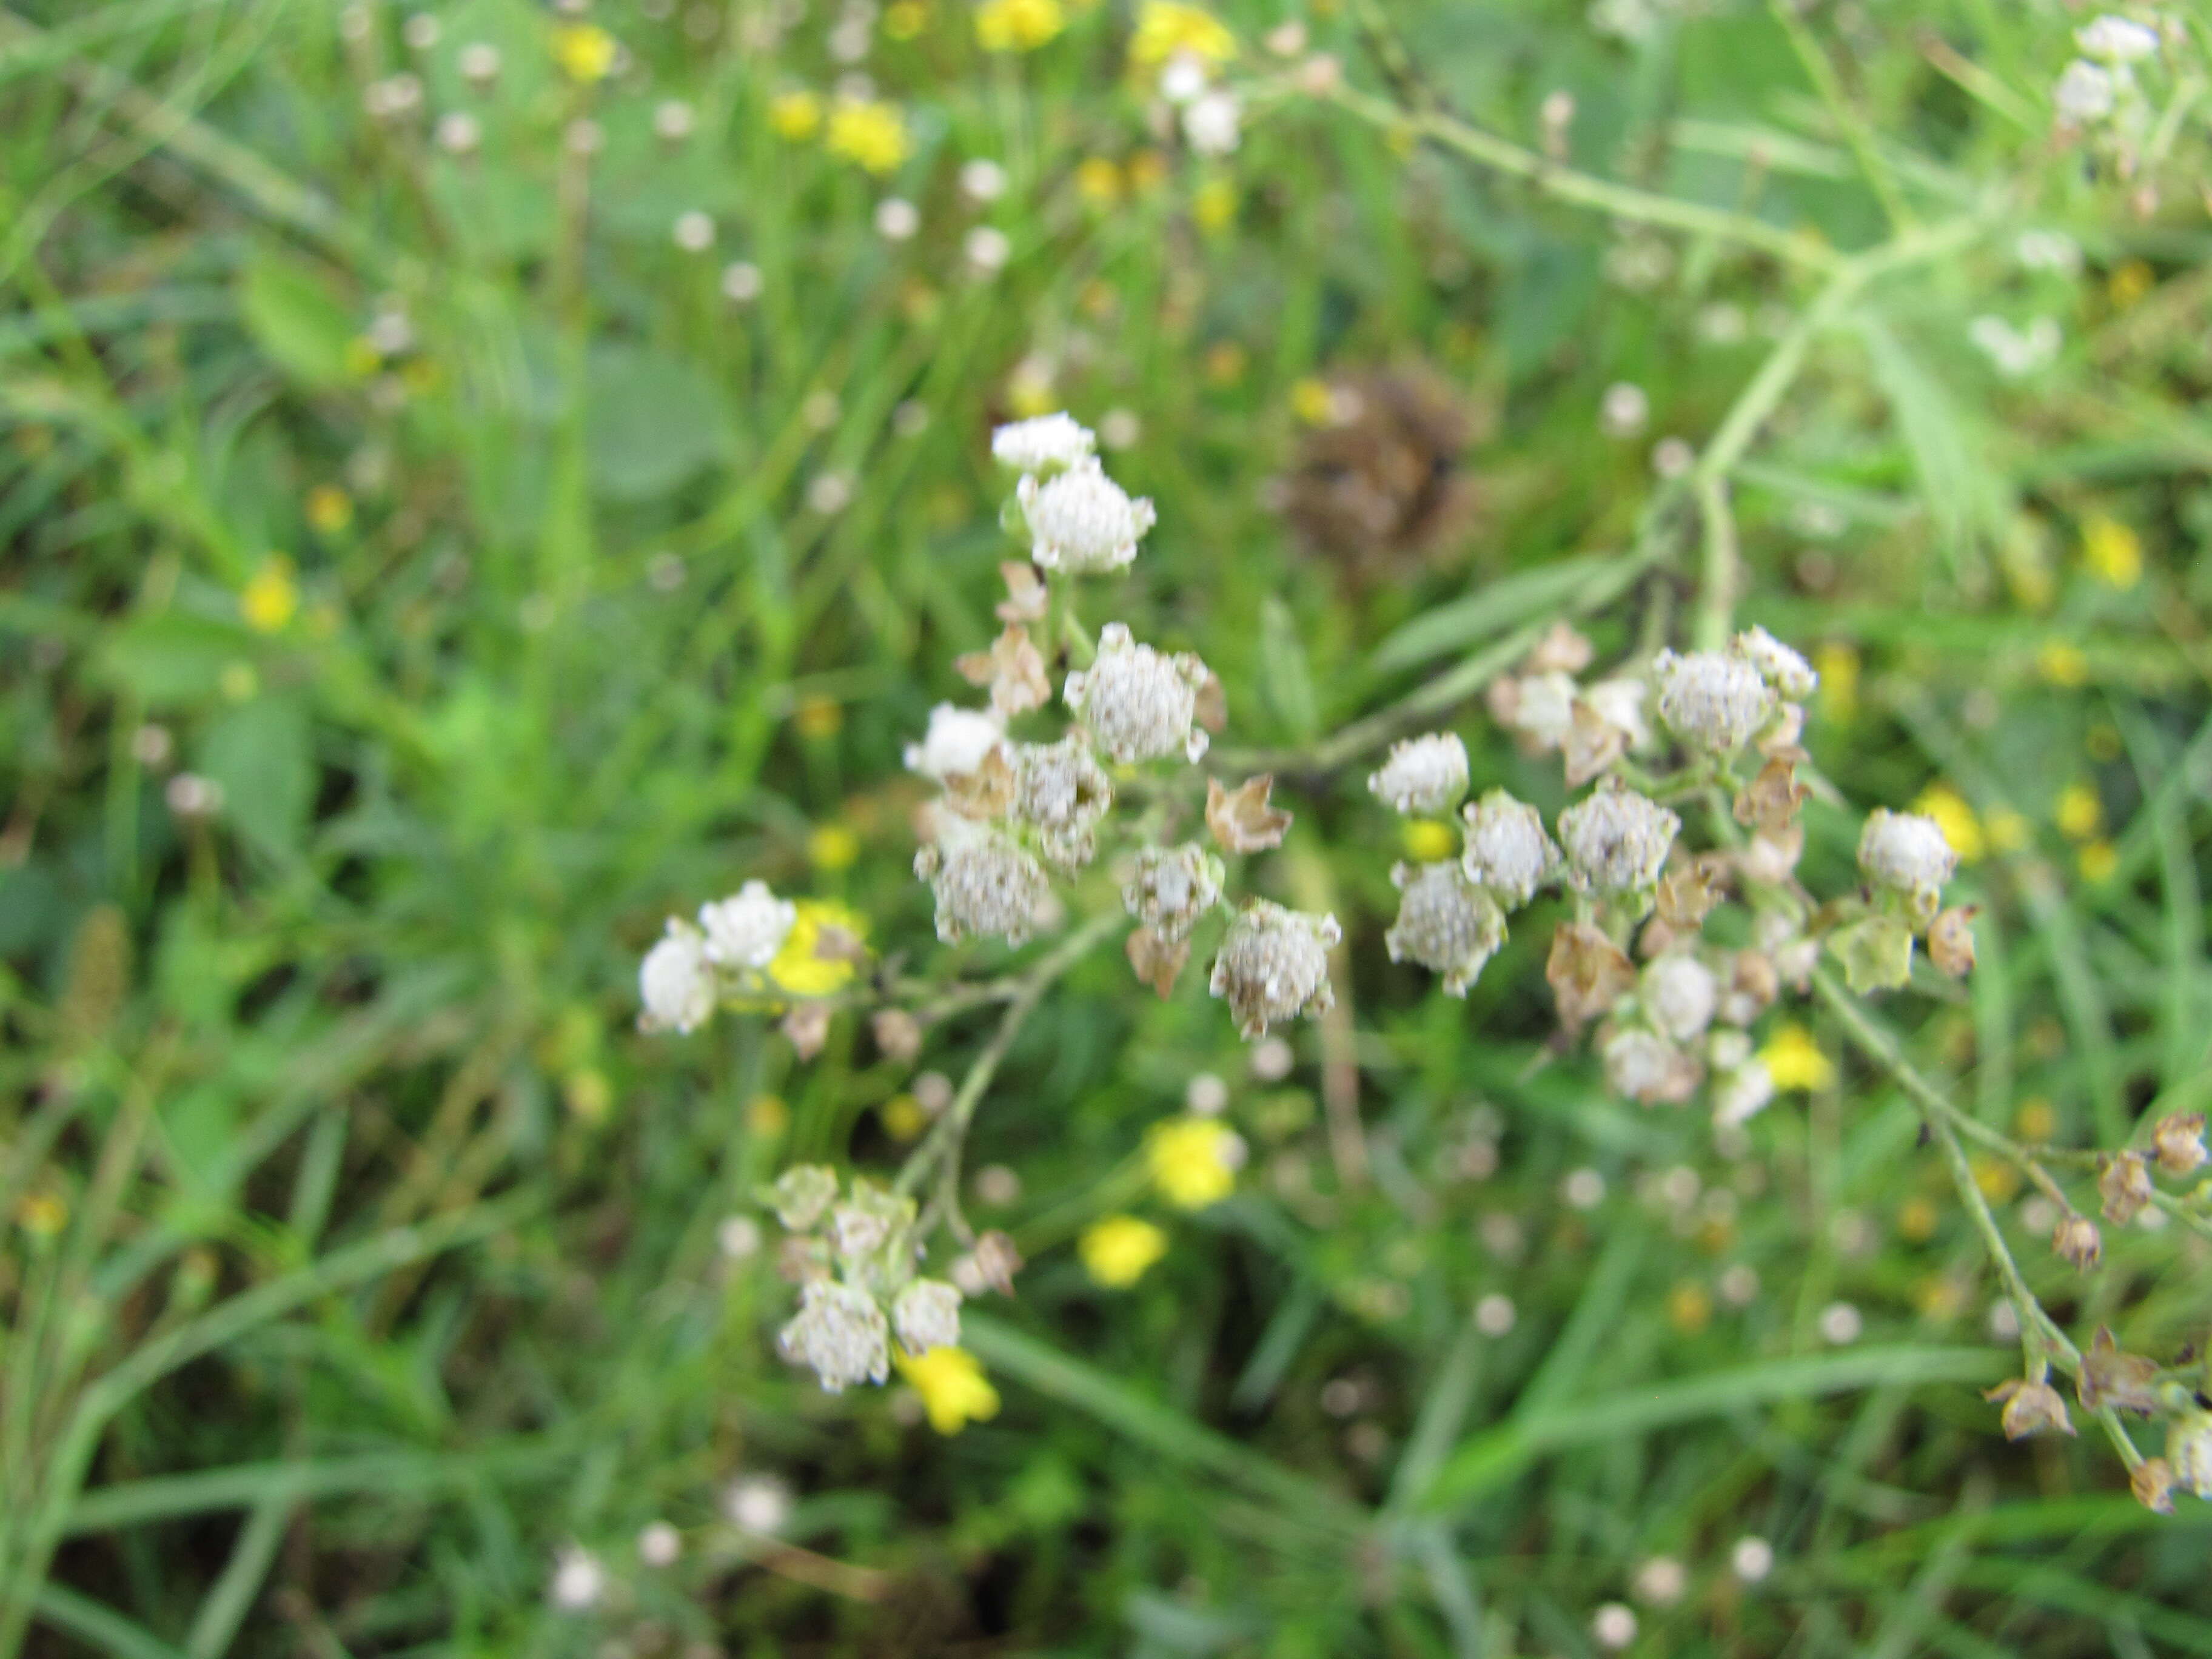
<point>958,741</point>
<point>1906,852</point>
<point>749,927</point>
<point>478,61</point>
<point>1422,775</point>
<point>1273,965</point>
<point>1445,922</point>
<point>1171,887</point>
<point>1680,994</point>
<point>676,981</point>
<point>986,882</point>
<point>2117,40</point>
<point>1080,520</point>
<point>1781,667</point>
<point>1710,701</point>
<point>1062,791</point>
<point>1138,703</point>
<point>1646,1067</point>
<point>927,1314</point>
<point>1507,850</point>
<point>1617,841</point>
<point>1044,443</point>
<point>458,133</point>
<point>839,1333</point>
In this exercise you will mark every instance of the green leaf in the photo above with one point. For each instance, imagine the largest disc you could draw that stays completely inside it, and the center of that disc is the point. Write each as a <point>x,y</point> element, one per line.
<point>171,656</point>
<point>1490,610</point>
<point>298,318</point>
<point>654,422</point>
<point>1959,493</point>
<point>1876,953</point>
<point>261,754</point>
<point>1286,676</point>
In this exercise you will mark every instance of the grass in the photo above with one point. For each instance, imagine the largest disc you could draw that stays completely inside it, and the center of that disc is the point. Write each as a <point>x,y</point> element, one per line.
<point>361,1255</point>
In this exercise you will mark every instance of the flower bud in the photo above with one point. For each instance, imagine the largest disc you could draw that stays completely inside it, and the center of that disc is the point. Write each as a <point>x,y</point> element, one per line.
<point>984,882</point>
<point>1044,443</point>
<point>1647,1068</point>
<point>2075,1239</point>
<point>839,1333</point>
<point>2030,1409</point>
<point>2178,1141</point>
<point>1170,888</point>
<point>1062,791</point>
<point>2124,1182</point>
<point>2152,1483</point>
<point>676,982</point>
<point>2189,1450</point>
<point>927,1314</point>
<point>1679,995</point>
<point>1906,854</point>
<point>1081,521</point>
<point>1780,666</point>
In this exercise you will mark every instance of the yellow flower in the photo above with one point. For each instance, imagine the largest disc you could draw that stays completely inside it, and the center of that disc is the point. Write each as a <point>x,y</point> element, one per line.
<point>2036,1121</point>
<point>1018,25</point>
<point>2099,861</point>
<point>796,967</point>
<point>1146,169</point>
<point>2079,811</point>
<point>1167,29</point>
<point>1215,205</point>
<point>1997,1179</point>
<point>902,1118</point>
<point>768,1117</point>
<point>1839,666</point>
<point>1689,1307</point>
<point>272,598</point>
<point>2006,831</point>
<point>869,133</point>
<point>1952,813</point>
<point>796,116</point>
<point>1098,181</point>
<point>329,510</point>
<point>42,1215</point>
<point>1917,1218</point>
<point>2130,282</point>
<point>1428,840</point>
<point>1118,1251</point>
<point>1192,1160</point>
<point>1793,1061</point>
<point>1311,402</point>
<point>1225,362</point>
<point>954,1390</point>
<point>584,50</point>
<point>2112,551</point>
<point>2063,664</point>
<point>904,19</point>
<point>833,846</point>
<point>587,1093</point>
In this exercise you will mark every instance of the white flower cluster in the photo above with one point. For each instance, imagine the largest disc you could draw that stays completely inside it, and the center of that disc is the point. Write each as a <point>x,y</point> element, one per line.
<point>1211,115</point>
<point>854,1261</point>
<point>2098,91</point>
<point>1077,519</point>
<point>685,975</point>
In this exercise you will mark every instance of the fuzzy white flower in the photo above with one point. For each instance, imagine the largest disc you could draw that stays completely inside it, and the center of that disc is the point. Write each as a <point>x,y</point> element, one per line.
<point>1710,700</point>
<point>676,981</point>
<point>1445,922</point>
<point>1741,1094</point>
<point>1170,888</point>
<point>1062,791</point>
<point>2113,39</point>
<point>758,1502</point>
<point>1905,852</point>
<point>1617,841</point>
<point>927,1314</point>
<point>984,882</point>
<point>1646,1067</point>
<point>1544,707</point>
<point>1507,850</point>
<point>840,1334</point>
<point>1210,123</point>
<point>958,741</point>
<point>1273,966</point>
<point>1422,775</point>
<point>1619,704</point>
<point>579,1580</point>
<point>749,927</point>
<point>2086,93</point>
<point>1624,410</point>
<point>1043,443</point>
<point>1680,994</point>
<point>1783,668</point>
<point>1081,521</point>
<point>1139,703</point>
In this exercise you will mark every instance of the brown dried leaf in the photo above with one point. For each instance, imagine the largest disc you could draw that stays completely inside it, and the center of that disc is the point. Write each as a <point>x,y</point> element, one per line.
<point>1588,974</point>
<point>986,792</point>
<point>1157,962</point>
<point>1013,669</point>
<point>1593,743</point>
<point>807,1026</point>
<point>1241,819</point>
<point>2111,1377</point>
<point>1689,889</point>
<point>2029,1408</point>
<point>1561,649</point>
<point>2124,1182</point>
<point>1772,801</point>
<point>1025,593</point>
<point>1951,940</point>
<point>1213,709</point>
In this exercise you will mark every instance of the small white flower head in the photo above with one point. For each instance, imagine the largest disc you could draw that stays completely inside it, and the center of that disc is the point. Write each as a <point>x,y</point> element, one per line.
<point>458,133</point>
<point>741,281</point>
<point>1752,1558</point>
<point>757,1502</point>
<point>1712,701</point>
<point>987,250</point>
<point>1613,1625</point>
<point>1171,888</point>
<point>2087,93</point>
<point>1210,123</point>
<point>840,1334</point>
<point>1544,710</point>
<point>927,1314</point>
<point>676,981</point>
<point>660,1544</point>
<point>1781,667</point>
<point>673,120</point>
<point>1081,521</point>
<point>1661,1581</point>
<point>1619,704</point>
<point>1445,922</point>
<point>1044,443</point>
<point>1139,703</point>
<point>802,1196</point>
<point>1617,841</point>
<point>2048,250</point>
<point>985,881</point>
<point>1062,791</point>
<point>958,741</point>
<point>1646,1067</point>
<point>1841,1324</point>
<point>479,62</point>
<point>1273,966</point>
<point>1741,1094</point>
<point>1183,77</point>
<point>746,929</point>
<point>982,181</point>
<point>1624,410</point>
<point>579,1580</point>
<point>1507,850</point>
<point>1422,775</point>
<point>1906,852</point>
<point>896,219</point>
<point>694,231</point>
<point>2111,40</point>
<point>1680,994</point>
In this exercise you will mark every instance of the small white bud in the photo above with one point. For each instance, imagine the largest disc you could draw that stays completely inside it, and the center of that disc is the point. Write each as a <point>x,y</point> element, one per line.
<point>1043,443</point>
